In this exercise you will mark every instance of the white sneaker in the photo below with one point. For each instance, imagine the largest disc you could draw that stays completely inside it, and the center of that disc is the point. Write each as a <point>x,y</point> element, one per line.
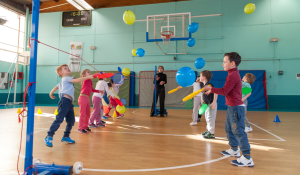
<point>232,153</point>
<point>248,129</point>
<point>192,124</point>
<point>243,161</point>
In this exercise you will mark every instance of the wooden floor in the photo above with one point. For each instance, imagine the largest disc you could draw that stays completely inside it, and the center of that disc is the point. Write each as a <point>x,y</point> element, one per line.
<point>139,144</point>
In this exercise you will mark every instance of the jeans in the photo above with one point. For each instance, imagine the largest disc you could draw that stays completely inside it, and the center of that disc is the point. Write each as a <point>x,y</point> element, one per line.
<point>65,109</point>
<point>235,128</point>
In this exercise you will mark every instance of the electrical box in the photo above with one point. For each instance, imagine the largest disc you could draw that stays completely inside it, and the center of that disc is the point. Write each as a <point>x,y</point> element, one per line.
<point>298,76</point>
<point>280,72</point>
<point>92,47</point>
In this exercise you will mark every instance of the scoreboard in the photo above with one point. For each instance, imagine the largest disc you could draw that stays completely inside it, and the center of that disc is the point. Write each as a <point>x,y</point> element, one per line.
<point>77,18</point>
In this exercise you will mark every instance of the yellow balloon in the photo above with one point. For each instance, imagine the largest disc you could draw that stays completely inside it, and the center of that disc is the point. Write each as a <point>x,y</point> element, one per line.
<point>134,52</point>
<point>249,8</point>
<point>128,17</point>
<point>125,71</point>
<point>121,109</point>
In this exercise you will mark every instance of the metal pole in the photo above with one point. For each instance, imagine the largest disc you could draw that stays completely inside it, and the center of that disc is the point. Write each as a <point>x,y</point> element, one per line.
<point>155,92</point>
<point>32,78</point>
<point>17,63</point>
<point>16,77</point>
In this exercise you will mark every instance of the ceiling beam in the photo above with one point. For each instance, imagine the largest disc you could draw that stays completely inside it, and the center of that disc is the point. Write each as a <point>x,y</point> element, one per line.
<point>19,8</point>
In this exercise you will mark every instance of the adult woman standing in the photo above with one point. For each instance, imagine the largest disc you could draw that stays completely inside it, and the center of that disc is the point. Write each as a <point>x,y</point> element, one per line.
<point>161,80</point>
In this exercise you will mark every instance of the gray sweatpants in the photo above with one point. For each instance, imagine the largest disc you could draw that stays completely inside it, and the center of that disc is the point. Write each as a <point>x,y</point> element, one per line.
<point>197,102</point>
<point>245,118</point>
<point>210,116</point>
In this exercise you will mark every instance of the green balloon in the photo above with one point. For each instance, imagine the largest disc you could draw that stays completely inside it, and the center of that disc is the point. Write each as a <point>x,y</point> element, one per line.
<point>203,108</point>
<point>246,90</point>
<point>189,104</point>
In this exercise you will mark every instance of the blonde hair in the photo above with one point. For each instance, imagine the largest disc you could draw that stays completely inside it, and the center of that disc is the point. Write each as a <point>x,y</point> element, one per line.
<point>59,68</point>
<point>83,73</point>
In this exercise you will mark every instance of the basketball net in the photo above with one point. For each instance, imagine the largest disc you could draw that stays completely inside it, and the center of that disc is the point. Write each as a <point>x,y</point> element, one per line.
<point>166,37</point>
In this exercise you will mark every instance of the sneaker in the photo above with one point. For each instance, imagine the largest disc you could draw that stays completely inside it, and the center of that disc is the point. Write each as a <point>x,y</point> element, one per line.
<point>67,139</point>
<point>193,123</point>
<point>119,116</point>
<point>92,125</point>
<point>232,153</point>
<point>248,129</point>
<point>103,122</point>
<point>105,118</point>
<point>209,135</point>
<point>204,133</point>
<point>108,116</point>
<point>243,161</point>
<point>88,129</point>
<point>48,141</point>
<point>83,131</point>
<point>198,120</point>
<point>100,124</point>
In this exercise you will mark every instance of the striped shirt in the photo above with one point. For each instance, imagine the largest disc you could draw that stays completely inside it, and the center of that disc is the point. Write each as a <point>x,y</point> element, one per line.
<point>232,88</point>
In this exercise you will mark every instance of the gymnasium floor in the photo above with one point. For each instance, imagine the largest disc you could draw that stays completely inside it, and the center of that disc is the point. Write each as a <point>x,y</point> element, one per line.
<point>139,144</point>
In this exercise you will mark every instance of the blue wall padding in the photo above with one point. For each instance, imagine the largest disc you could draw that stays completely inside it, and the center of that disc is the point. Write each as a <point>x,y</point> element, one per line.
<point>257,100</point>
<point>131,89</point>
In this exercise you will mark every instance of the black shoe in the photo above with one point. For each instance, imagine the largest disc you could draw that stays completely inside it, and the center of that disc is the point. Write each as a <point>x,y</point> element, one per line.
<point>161,115</point>
<point>88,129</point>
<point>83,131</point>
<point>151,115</point>
<point>204,133</point>
<point>103,122</point>
<point>198,120</point>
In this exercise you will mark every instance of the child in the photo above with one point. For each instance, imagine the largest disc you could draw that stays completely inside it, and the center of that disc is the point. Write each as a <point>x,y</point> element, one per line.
<point>235,125</point>
<point>65,106</point>
<point>97,98</point>
<point>197,101</point>
<point>112,102</point>
<point>211,101</point>
<point>247,80</point>
<point>84,102</point>
<point>115,86</point>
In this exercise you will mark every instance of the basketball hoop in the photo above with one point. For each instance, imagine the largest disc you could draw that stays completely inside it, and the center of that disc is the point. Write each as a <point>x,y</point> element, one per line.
<point>166,37</point>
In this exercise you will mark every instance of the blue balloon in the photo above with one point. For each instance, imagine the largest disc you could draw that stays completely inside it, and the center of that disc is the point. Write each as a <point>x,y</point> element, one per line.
<point>140,52</point>
<point>193,27</point>
<point>185,76</point>
<point>199,63</point>
<point>191,42</point>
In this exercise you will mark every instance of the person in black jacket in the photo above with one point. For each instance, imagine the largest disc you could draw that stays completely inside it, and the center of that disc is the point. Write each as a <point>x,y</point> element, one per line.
<point>161,80</point>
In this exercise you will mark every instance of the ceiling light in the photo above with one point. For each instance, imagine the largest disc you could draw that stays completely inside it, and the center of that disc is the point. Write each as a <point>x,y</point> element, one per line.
<point>75,4</point>
<point>80,4</point>
<point>84,4</point>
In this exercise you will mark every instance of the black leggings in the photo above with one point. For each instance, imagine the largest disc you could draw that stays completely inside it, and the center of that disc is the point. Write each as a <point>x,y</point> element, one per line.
<point>161,93</point>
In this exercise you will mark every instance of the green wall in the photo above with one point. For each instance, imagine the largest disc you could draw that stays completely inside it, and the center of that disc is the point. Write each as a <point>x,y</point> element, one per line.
<point>234,31</point>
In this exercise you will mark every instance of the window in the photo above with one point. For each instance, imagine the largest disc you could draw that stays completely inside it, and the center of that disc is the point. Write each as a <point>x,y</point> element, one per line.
<point>12,35</point>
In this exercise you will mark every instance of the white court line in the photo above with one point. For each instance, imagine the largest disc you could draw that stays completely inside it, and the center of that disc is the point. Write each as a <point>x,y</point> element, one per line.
<point>269,132</point>
<point>158,169</point>
<point>280,139</point>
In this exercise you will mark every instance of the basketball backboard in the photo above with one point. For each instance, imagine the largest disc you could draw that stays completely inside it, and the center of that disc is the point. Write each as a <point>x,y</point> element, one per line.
<point>177,23</point>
